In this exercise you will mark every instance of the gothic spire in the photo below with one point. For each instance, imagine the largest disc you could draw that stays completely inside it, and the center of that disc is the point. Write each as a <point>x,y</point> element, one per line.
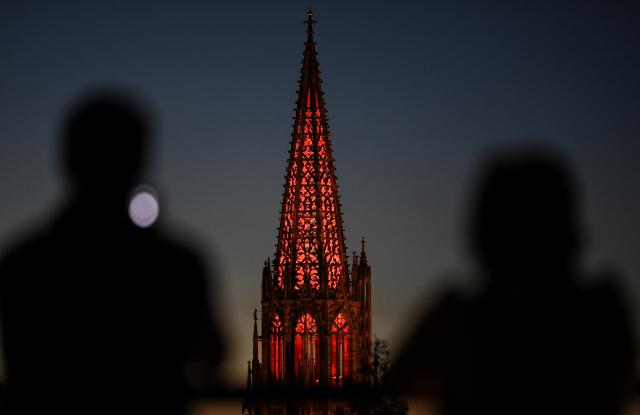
<point>363,252</point>
<point>267,281</point>
<point>311,249</point>
<point>354,265</point>
<point>255,338</point>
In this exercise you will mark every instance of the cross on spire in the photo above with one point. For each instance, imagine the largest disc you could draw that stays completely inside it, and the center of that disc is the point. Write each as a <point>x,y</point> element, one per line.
<point>310,22</point>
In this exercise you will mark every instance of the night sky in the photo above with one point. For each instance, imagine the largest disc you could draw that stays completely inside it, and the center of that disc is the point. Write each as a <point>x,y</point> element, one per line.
<point>417,92</point>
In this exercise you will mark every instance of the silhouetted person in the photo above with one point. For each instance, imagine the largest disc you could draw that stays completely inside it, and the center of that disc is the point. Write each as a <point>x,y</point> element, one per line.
<point>533,340</point>
<point>99,315</point>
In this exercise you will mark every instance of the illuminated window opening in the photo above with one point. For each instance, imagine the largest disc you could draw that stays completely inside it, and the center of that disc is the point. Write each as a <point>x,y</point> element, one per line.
<point>307,351</point>
<point>276,353</point>
<point>340,350</point>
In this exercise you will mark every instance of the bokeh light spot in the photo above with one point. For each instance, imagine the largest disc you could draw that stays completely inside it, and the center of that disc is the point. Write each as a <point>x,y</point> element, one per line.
<point>144,208</point>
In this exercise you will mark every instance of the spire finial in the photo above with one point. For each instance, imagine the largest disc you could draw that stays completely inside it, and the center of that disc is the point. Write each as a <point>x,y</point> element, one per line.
<point>310,22</point>
<point>363,243</point>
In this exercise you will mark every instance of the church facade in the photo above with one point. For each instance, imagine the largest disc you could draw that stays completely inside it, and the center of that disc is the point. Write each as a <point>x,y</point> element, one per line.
<point>315,327</point>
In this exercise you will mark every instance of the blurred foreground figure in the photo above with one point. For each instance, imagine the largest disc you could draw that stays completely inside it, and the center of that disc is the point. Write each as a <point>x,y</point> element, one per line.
<point>533,340</point>
<point>98,315</point>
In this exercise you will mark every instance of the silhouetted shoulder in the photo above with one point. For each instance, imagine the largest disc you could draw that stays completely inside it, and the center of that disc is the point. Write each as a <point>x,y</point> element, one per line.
<point>26,251</point>
<point>431,346</point>
<point>179,250</point>
<point>604,291</point>
<point>611,317</point>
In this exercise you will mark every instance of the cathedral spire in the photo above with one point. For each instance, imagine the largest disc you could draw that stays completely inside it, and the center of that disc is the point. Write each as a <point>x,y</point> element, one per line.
<point>311,254</point>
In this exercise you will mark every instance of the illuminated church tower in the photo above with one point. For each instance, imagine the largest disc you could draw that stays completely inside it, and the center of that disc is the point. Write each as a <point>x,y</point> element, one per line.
<point>316,307</point>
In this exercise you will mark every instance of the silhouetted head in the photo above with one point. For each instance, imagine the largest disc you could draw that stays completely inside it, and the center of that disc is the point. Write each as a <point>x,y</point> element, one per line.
<point>525,215</point>
<point>105,143</point>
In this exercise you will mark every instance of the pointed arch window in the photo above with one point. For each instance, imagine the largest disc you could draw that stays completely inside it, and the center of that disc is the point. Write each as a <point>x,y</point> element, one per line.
<point>276,354</point>
<point>307,351</point>
<point>340,350</point>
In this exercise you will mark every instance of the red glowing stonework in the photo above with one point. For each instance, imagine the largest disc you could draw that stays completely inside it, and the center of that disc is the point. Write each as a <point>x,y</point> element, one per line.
<point>311,225</point>
<point>315,308</point>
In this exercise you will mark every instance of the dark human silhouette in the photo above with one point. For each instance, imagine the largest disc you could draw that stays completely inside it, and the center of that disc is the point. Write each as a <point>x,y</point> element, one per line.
<point>98,315</point>
<point>535,338</point>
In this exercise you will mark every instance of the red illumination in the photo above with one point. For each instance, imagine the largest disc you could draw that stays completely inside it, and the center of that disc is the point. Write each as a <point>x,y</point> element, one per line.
<point>286,231</point>
<point>275,348</point>
<point>307,351</point>
<point>310,341</point>
<point>310,227</point>
<point>340,352</point>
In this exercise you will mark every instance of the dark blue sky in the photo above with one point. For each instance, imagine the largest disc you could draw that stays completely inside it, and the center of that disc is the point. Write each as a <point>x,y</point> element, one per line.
<point>417,92</point>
